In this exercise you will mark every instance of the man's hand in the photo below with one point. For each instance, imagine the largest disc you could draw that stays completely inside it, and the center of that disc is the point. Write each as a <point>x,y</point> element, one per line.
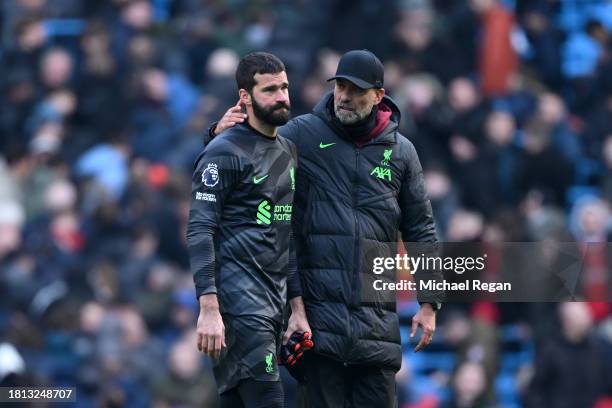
<point>426,318</point>
<point>233,116</point>
<point>298,344</point>
<point>297,321</point>
<point>210,329</point>
<point>298,338</point>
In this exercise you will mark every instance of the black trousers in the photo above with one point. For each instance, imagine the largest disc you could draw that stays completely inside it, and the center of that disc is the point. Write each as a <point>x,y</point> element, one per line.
<point>331,384</point>
<point>254,394</point>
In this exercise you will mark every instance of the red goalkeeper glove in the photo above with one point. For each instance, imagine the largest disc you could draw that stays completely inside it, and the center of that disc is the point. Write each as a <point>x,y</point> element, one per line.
<point>298,343</point>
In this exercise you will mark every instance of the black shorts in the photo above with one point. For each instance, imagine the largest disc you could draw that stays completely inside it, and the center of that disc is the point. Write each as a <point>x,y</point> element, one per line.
<point>253,342</point>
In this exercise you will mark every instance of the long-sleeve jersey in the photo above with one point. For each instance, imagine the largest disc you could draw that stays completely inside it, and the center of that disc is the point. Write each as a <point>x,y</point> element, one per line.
<point>239,231</point>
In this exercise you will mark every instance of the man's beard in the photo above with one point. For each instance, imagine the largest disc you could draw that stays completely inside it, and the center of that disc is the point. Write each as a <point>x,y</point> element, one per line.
<point>351,117</point>
<point>273,115</point>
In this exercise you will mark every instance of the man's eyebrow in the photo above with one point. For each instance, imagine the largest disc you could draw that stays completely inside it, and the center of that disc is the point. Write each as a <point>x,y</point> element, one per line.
<point>271,87</point>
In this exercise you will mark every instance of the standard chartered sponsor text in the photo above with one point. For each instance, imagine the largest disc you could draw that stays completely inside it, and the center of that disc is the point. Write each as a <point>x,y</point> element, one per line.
<point>282,212</point>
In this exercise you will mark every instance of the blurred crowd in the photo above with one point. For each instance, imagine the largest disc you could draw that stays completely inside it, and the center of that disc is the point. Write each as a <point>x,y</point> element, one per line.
<point>103,105</point>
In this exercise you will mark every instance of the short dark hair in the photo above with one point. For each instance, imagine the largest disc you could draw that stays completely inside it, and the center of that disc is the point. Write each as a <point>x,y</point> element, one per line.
<point>256,63</point>
<point>593,25</point>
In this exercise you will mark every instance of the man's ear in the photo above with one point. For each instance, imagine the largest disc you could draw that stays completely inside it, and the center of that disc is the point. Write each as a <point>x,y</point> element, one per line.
<point>380,93</point>
<point>245,97</point>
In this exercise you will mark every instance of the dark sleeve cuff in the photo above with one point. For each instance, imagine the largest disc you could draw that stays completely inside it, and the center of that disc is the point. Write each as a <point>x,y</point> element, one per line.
<point>205,290</point>
<point>294,290</point>
<point>210,134</point>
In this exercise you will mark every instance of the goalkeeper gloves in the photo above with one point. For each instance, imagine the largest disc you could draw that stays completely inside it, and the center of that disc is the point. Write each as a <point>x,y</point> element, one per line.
<point>298,343</point>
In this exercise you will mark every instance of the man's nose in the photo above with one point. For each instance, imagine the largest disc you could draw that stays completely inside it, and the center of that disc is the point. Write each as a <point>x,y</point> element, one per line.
<point>345,99</point>
<point>282,97</point>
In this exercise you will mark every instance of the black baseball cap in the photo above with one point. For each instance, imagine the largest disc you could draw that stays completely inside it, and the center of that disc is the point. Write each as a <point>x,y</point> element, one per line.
<point>362,68</point>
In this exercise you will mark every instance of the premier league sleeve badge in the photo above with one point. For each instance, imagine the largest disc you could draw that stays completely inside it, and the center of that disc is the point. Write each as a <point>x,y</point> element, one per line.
<point>210,175</point>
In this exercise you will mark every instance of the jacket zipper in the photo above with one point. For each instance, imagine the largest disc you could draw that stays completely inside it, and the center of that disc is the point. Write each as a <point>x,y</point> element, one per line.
<point>356,246</point>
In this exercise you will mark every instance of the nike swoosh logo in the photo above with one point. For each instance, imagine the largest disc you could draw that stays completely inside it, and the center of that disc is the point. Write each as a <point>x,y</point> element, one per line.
<point>260,179</point>
<point>325,145</point>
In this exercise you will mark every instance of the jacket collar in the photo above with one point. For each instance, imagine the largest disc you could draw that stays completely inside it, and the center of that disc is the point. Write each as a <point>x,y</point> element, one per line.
<point>387,136</point>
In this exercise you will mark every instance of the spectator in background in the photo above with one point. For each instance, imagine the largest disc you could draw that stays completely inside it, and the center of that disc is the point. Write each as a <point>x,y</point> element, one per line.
<point>606,153</point>
<point>486,190</point>
<point>475,338</point>
<point>571,368</point>
<point>444,198</point>
<point>553,115</point>
<point>107,166</point>
<point>584,55</point>
<point>551,151</point>
<point>583,50</point>
<point>429,116</point>
<point>590,220</point>
<point>166,103</point>
<point>597,126</point>
<point>220,85</point>
<point>30,37</point>
<point>11,365</point>
<point>56,69</point>
<point>11,221</point>
<point>545,38</point>
<point>200,42</point>
<point>185,383</point>
<point>102,92</point>
<point>498,59</point>
<point>155,303</point>
<point>469,112</point>
<point>469,387</point>
<point>419,48</point>
<point>590,224</point>
<point>18,96</point>
<point>135,17</point>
